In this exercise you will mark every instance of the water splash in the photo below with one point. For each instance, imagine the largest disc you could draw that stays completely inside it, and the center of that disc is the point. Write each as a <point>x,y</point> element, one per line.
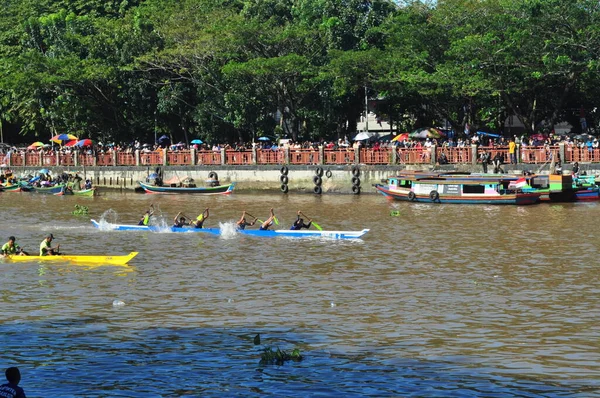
<point>161,224</point>
<point>118,303</point>
<point>107,220</point>
<point>228,230</point>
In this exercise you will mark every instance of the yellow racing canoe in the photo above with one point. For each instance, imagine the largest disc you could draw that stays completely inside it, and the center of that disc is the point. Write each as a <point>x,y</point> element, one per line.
<point>97,260</point>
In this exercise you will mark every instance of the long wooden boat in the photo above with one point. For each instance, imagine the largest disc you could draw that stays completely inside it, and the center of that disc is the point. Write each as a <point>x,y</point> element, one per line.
<point>454,189</point>
<point>81,259</point>
<point>54,190</point>
<point>81,192</point>
<point>253,232</point>
<point>216,190</point>
<point>11,188</point>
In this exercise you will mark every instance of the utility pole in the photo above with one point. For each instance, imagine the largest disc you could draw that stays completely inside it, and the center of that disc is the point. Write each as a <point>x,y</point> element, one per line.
<point>366,111</point>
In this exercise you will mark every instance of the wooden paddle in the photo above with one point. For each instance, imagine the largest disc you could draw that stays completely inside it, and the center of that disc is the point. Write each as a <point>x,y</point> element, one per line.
<point>317,226</point>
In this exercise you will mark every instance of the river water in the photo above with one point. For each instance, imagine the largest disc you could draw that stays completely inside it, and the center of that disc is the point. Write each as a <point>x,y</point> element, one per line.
<point>436,300</point>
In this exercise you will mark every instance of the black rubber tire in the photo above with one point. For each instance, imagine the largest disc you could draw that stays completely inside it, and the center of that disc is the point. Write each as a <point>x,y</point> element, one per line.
<point>319,171</point>
<point>411,196</point>
<point>434,196</point>
<point>317,189</point>
<point>356,189</point>
<point>284,179</point>
<point>284,188</point>
<point>356,181</point>
<point>284,170</point>
<point>328,174</point>
<point>317,180</point>
<point>213,176</point>
<point>355,171</point>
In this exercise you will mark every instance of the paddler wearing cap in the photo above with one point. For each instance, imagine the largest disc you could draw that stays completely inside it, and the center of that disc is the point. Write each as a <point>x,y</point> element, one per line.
<point>46,248</point>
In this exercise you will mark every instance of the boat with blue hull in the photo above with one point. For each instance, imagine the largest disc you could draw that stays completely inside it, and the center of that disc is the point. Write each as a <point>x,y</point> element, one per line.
<point>456,189</point>
<point>252,232</point>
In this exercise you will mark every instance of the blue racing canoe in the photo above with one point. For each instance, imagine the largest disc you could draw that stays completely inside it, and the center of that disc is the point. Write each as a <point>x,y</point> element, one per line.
<point>304,233</point>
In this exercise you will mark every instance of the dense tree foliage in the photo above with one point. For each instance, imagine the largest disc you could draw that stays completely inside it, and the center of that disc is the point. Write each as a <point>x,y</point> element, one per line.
<point>228,70</point>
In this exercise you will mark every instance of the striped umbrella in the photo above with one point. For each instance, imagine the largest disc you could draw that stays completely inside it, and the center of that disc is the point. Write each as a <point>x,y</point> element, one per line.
<point>62,138</point>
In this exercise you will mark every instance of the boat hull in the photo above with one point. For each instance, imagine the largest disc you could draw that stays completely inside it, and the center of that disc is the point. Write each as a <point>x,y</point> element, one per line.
<point>218,190</point>
<point>506,199</point>
<point>82,192</point>
<point>56,190</point>
<point>588,194</point>
<point>252,232</point>
<point>97,260</point>
<point>11,188</point>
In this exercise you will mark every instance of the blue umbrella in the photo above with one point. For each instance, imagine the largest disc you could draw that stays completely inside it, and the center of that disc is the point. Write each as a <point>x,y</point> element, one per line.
<point>264,139</point>
<point>488,134</point>
<point>163,138</point>
<point>44,171</point>
<point>197,142</point>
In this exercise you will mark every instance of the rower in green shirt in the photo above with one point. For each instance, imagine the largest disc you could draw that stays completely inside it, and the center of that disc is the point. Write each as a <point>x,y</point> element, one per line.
<point>46,248</point>
<point>10,248</point>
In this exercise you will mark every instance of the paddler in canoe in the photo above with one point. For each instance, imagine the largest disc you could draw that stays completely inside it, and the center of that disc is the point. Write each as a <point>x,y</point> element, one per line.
<point>243,222</point>
<point>145,220</point>
<point>11,248</point>
<point>267,224</point>
<point>46,248</point>
<point>299,223</point>
<point>199,221</point>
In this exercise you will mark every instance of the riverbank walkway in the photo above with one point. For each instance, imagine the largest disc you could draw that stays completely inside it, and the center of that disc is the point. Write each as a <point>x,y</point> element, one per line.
<point>286,156</point>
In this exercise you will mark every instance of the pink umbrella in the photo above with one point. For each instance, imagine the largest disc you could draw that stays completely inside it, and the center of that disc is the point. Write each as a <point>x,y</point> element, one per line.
<point>71,143</point>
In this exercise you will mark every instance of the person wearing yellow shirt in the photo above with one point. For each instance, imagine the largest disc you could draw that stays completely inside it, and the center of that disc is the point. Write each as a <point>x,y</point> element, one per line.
<point>512,151</point>
<point>199,221</point>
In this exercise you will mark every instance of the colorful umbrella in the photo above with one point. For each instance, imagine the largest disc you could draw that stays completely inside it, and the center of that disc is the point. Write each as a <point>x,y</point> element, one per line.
<point>84,142</point>
<point>59,139</point>
<point>427,132</point>
<point>401,137</point>
<point>35,145</point>
<point>71,143</point>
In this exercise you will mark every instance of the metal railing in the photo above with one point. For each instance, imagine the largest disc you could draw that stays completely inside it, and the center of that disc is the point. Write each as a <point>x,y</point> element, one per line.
<point>341,156</point>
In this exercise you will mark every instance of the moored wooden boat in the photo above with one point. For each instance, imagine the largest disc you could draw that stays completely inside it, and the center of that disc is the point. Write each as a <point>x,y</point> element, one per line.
<point>11,188</point>
<point>53,190</point>
<point>79,259</point>
<point>216,190</point>
<point>253,232</point>
<point>80,192</point>
<point>461,189</point>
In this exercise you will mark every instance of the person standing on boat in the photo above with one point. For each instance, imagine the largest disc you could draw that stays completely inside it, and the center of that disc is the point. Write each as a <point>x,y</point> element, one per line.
<point>243,222</point>
<point>299,223</point>
<point>10,248</point>
<point>145,220</point>
<point>199,221</point>
<point>46,248</point>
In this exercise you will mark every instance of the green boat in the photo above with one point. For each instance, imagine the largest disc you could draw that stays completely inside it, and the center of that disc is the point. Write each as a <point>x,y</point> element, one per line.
<point>53,190</point>
<point>82,192</point>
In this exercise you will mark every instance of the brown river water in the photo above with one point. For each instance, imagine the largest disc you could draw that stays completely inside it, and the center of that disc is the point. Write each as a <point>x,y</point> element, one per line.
<point>436,300</point>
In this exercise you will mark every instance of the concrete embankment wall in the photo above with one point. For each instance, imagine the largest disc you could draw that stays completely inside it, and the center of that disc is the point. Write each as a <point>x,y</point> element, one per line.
<point>300,178</point>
